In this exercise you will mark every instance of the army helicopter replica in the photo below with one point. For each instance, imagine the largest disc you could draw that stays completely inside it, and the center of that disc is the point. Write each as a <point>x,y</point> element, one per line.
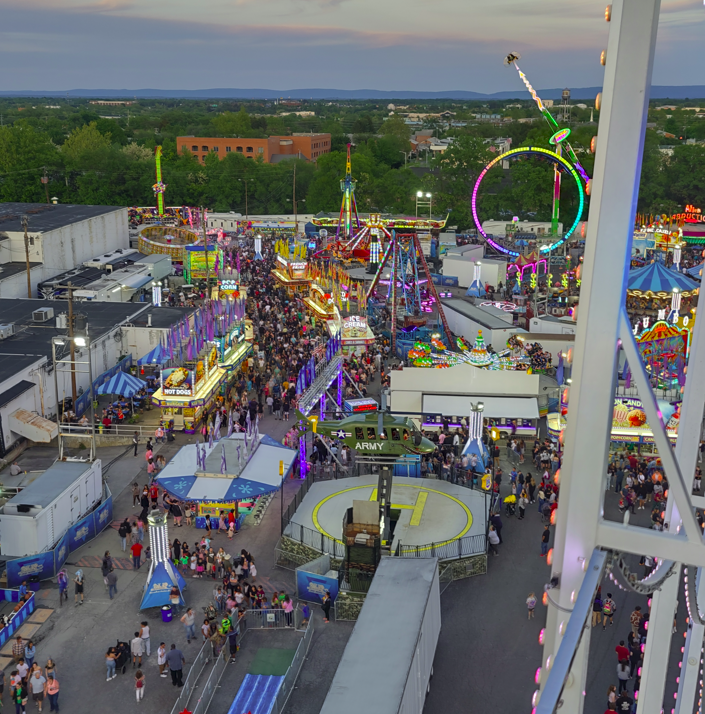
<point>375,434</point>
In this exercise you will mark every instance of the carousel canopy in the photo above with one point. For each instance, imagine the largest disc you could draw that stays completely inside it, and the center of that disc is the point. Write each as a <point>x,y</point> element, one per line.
<point>157,356</point>
<point>656,280</point>
<point>122,383</point>
<point>696,271</point>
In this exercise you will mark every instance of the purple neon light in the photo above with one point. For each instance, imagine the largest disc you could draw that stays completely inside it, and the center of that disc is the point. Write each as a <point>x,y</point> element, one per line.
<point>516,152</point>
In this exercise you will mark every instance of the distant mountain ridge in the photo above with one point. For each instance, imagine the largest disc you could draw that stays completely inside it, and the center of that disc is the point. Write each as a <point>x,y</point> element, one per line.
<point>587,93</point>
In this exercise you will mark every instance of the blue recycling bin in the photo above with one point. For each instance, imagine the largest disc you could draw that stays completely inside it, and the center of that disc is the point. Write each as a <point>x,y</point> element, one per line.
<point>167,613</point>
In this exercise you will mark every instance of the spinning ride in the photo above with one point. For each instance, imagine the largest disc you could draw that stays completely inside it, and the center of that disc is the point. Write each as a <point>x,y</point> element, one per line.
<point>562,165</point>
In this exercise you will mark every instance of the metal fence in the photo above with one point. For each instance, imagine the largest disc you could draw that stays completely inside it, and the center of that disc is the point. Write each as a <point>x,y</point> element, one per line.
<point>292,674</point>
<point>213,681</point>
<point>199,663</point>
<point>460,548</point>
<point>314,539</point>
<point>298,497</point>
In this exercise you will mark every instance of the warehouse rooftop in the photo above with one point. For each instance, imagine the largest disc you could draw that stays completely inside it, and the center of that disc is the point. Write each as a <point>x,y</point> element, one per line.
<point>45,217</point>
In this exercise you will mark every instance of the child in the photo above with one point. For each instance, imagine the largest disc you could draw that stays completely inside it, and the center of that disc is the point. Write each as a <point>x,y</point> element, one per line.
<point>261,597</point>
<point>140,530</point>
<point>139,685</point>
<point>219,596</point>
<point>194,565</point>
<point>306,612</point>
<point>200,567</point>
<point>231,531</point>
<point>188,513</point>
<point>531,605</point>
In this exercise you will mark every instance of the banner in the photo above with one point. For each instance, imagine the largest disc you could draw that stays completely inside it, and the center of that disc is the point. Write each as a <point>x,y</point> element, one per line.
<point>196,261</point>
<point>311,587</point>
<point>103,516</point>
<point>80,533</point>
<point>177,382</point>
<point>20,569</point>
<point>61,552</point>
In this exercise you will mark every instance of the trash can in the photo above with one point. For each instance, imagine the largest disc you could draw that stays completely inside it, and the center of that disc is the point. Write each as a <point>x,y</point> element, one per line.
<point>34,584</point>
<point>166,613</point>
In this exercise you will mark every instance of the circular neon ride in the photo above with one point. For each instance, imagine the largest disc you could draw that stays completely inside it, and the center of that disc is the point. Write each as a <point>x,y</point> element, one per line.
<point>556,159</point>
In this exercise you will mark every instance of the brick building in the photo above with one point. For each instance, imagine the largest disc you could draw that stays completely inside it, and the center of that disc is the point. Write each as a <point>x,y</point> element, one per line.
<point>272,149</point>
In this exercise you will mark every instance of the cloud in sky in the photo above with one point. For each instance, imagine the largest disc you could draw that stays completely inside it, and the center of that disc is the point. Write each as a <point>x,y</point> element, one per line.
<point>346,44</point>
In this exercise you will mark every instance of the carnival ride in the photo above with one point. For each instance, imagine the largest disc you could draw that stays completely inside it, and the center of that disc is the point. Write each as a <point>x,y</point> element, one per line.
<point>358,238</point>
<point>516,357</point>
<point>408,288</point>
<point>159,187</point>
<point>559,139</point>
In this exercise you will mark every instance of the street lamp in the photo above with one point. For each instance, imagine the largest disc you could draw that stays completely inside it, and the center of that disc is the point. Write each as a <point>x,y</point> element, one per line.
<point>406,154</point>
<point>424,199</point>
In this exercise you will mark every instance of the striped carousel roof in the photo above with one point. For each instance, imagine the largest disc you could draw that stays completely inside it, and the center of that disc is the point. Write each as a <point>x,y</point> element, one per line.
<point>655,279</point>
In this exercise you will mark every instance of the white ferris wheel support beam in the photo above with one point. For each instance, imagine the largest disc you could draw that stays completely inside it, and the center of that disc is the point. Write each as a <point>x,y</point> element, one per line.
<point>615,184</point>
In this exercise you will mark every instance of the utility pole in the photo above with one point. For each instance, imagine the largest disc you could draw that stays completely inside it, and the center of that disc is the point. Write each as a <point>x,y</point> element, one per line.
<point>45,181</point>
<point>25,223</point>
<point>71,347</point>
<point>293,198</point>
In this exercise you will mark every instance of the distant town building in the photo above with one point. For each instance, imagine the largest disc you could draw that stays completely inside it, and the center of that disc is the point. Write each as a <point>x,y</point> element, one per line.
<point>110,103</point>
<point>272,150</point>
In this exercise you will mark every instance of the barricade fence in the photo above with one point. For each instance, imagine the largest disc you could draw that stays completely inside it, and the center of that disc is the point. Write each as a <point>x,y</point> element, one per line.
<point>213,680</point>
<point>296,501</point>
<point>201,660</point>
<point>292,674</point>
<point>460,548</point>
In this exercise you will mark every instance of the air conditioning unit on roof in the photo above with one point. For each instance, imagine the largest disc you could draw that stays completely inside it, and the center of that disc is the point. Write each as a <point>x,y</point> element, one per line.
<point>43,314</point>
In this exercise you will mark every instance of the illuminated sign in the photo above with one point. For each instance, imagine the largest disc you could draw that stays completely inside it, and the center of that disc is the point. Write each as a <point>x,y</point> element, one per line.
<point>691,214</point>
<point>355,322</point>
<point>177,382</point>
<point>360,405</point>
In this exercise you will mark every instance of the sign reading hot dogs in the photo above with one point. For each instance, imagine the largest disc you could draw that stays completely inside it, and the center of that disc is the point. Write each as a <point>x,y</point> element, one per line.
<point>177,382</point>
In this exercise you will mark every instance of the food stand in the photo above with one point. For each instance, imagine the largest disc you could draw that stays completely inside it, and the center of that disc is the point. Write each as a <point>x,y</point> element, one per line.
<point>320,303</point>
<point>187,393</point>
<point>356,334</point>
<point>292,274</point>
<point>629,425</point>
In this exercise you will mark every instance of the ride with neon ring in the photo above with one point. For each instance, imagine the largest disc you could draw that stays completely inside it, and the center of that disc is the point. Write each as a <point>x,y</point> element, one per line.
<point>560,135</point>
<point>554,158</point>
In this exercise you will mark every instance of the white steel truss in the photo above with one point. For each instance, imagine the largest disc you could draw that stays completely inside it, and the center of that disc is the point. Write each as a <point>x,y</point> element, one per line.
<point>589,545</point>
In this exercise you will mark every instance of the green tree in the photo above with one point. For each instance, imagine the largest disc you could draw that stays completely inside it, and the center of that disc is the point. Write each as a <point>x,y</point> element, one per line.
<point>396,126</point>
<point>86,143</point>
<point>235,124</point>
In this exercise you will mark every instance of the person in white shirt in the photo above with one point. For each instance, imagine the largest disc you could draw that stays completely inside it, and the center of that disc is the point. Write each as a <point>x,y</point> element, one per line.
<point>137,648</point>
<point>15,470</point>
<point>493,538</point>
<point>144,634</point>
<point>161,660</point>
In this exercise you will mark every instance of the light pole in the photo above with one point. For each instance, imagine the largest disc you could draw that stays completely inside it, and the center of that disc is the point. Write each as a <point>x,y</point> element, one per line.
<point>25,223</point>
<point>406,154</point>
<point>423,200</point>
<point>247,212</point>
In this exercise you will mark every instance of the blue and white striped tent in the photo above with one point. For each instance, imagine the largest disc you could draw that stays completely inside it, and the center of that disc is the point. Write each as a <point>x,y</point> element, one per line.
<point>655,279</point>
<point>157,356</point>
<point>122,383</point>
<point>696,271</point>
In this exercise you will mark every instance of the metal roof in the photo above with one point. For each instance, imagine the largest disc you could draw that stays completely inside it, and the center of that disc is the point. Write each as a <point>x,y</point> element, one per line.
<point>13,392</point>
<point>54,481</point>
<point>45,217</point>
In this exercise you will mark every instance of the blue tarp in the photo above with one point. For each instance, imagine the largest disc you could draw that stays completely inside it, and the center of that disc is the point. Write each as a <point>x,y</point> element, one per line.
<point>122,383</point>
<point>157,356</point>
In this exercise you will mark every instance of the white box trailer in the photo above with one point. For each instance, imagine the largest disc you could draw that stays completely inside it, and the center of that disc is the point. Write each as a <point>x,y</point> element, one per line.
<point>34,520</point>
<point>388,662</point>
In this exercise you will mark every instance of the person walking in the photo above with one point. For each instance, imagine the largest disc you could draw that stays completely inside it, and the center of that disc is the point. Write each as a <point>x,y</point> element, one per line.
<point>623,675</point>
<point>161,659</point>
<point>29,653</point>
<point>635,620</point>
<point>493,540</point>
<point>112,583</point>
<point>597,608</point>
<point>136,553</point>
<point>144,634</point>
<point>608,608</point>
<point>52,690</point>
<point>110,664</point>
<point>78,587</point>
<point>137,648</point>
<point>176,662</point>
<point>531,605</point>
<point>545,537</point>
<point>188,619</point>
<point>122,532</point>
<point>135,442</point>
<point>20,697</point>
<point>523,503</point>
<point>37,684</point>
<point>325,606</point>
<point>63,582</point>
<point>139,685</point>
<point>622,651</point>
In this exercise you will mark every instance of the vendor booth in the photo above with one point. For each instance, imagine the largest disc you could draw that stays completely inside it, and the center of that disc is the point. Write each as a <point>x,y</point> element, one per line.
<point>320,303</point>
<point>356,334</point>
<point>292,274</point>
<point>187,393</point>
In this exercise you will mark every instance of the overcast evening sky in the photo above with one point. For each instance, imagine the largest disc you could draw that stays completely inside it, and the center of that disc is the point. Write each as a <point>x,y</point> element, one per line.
<point>344,44</point>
